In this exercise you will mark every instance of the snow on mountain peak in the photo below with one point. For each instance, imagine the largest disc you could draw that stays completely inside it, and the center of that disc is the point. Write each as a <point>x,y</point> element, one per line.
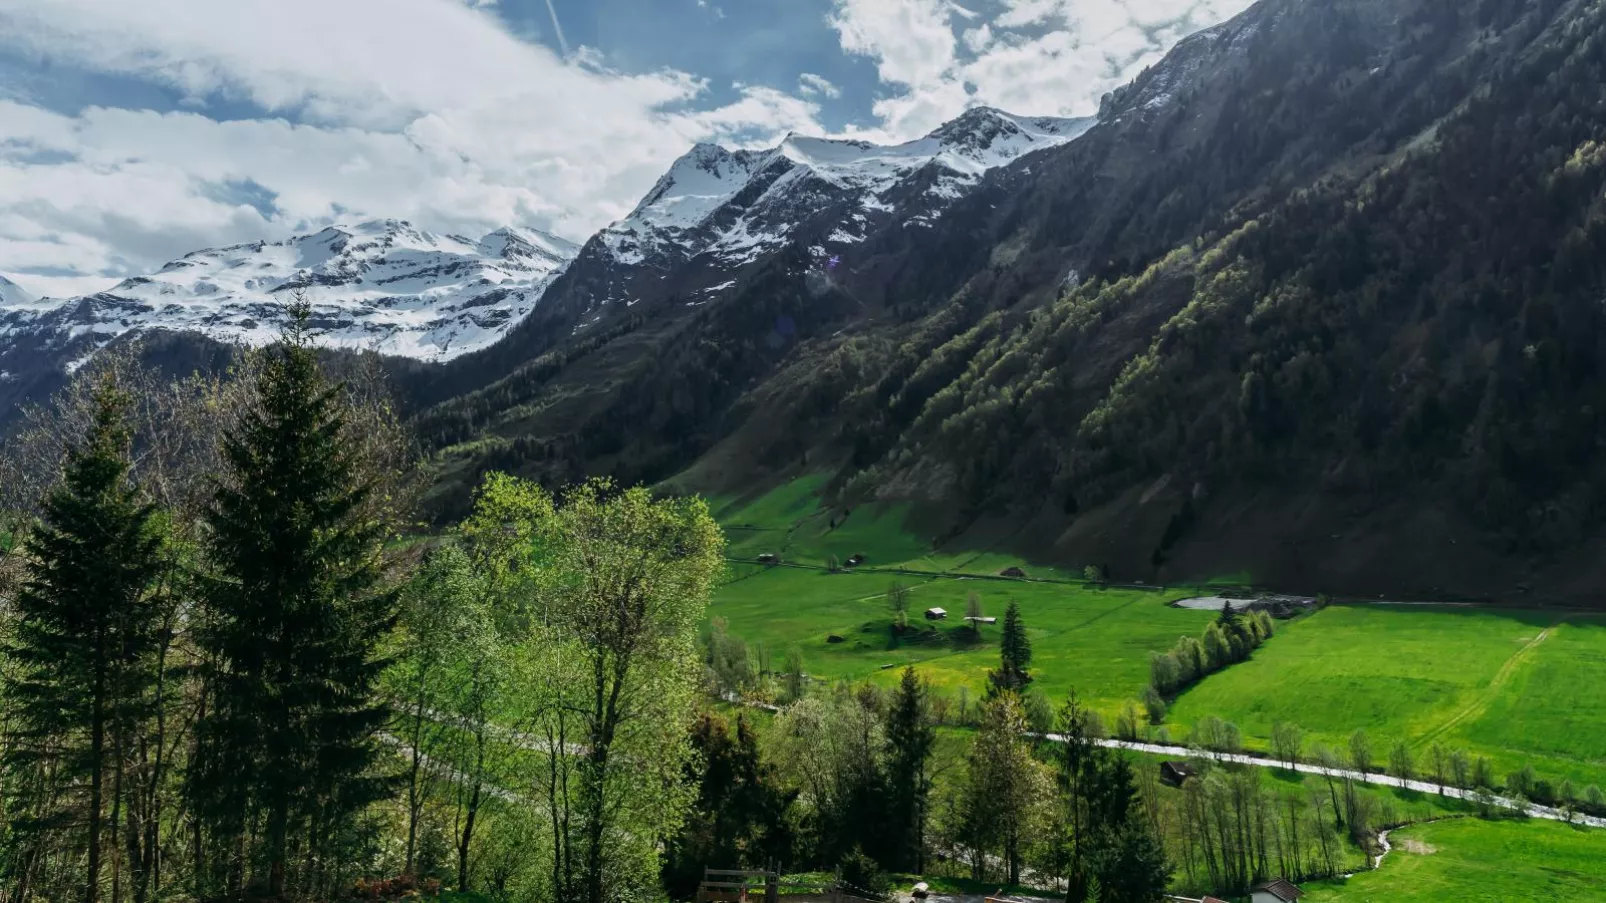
<point>12,293</point>
<point>382,284</point>
<point>716,199</point>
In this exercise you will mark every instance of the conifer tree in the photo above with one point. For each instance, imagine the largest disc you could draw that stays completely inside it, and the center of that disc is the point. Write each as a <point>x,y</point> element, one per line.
<point>1015,653</point>
<point>287,745</point>
<point>910,739</point>
<point>82,655</point>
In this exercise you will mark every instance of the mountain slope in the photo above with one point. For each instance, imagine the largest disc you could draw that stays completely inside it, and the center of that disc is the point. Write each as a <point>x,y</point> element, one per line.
<point>1318,297</point>
<point>1376,372</point>
<point>14,294</point>
<point>717,225</point>
<point>380,285</point>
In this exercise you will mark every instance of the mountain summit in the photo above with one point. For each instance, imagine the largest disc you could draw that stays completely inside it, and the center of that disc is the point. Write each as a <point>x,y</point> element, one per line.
<point>382,284</point>
<point>735,205</point>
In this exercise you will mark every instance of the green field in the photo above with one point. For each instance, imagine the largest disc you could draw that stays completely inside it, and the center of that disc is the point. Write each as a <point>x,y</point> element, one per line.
<point>1469,861</point>
<point>1095,640</point>
<point>1518,687</point>
<point>1521,687</point>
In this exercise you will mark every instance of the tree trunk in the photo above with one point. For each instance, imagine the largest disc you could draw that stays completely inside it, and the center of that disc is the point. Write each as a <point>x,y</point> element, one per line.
<point>97,753</point>
<point>467,837</point>
<point>414,797</point>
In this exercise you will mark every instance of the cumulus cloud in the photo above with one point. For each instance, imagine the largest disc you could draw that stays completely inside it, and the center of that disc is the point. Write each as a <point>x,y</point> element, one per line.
<point>1035,57</point>
<point>297,113</point>
<point>435,114</point>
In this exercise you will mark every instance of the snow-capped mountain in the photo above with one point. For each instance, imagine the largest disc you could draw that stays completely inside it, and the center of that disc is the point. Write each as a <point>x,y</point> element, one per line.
<point>13,294</point>
<point>381,284</point>
<point>736,204</point>
<point>391,287</point>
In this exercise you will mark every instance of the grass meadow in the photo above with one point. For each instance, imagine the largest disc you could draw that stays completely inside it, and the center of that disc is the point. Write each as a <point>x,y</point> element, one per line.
<point>1522,687</point>
<point>1473,861</point>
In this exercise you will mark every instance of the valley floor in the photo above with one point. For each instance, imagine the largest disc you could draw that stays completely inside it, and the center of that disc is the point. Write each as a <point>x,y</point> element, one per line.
<point>1519,687</point>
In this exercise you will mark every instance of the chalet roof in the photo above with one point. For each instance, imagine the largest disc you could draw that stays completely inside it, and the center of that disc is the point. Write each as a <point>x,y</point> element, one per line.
<point>1282,889</point>
<point>1180,768</point>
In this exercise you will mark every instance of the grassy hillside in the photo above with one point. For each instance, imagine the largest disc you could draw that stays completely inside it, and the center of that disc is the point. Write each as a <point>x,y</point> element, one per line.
<point>1519,687</point>
<point>1472,861</point>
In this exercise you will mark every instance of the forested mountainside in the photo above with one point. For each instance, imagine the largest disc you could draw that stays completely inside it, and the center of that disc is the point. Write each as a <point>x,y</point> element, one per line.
<point>1318,297</point>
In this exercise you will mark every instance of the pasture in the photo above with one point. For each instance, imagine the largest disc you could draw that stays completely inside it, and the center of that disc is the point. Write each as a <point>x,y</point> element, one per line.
<point>1094,640</point>
<point>1475,861</point>
<point>1520,687</point>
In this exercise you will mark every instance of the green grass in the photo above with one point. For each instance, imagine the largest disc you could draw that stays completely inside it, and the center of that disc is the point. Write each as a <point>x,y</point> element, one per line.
<point>1521,687</point>
<point>1094,640</point>
<point>1518,687</point>
<point>1471,861</point>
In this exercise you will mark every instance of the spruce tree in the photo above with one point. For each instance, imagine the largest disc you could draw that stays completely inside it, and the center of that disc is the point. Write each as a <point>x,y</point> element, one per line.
<point>910,738</point>
<point>287,745</point>
<point>1015,653</point>
<point>82,656</point>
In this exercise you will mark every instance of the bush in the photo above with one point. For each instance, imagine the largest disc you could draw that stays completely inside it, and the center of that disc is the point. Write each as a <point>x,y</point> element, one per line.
<point>861,873</point>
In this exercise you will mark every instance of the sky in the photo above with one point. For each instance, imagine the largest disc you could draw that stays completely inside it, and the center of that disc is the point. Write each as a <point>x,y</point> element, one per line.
<point>135,131</point>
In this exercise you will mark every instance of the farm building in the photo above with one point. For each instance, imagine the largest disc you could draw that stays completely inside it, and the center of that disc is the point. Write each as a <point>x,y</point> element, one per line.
<point>1177,773</point>
<point>978,620</point>
<point>936,614</point>
<point>767,558</point>
<point>1012,572</point>
<point>1277,890</point>
<point>855,561</point>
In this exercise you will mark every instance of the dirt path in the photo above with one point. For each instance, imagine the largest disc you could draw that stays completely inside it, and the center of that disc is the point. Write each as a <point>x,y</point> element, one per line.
<point>1485,697</point>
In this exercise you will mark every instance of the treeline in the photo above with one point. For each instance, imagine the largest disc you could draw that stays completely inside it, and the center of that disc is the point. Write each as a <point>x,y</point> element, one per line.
<point>226,676</point>
<point>1227,640</point>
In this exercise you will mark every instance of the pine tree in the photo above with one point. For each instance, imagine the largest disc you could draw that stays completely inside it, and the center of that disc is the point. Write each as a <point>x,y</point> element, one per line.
<point>287,746</point>
<point>910,739</point>
<point>1015,653</point>
<point>88,627</point>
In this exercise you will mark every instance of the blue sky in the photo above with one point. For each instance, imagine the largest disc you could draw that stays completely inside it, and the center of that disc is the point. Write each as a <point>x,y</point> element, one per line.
<point>133,132</point>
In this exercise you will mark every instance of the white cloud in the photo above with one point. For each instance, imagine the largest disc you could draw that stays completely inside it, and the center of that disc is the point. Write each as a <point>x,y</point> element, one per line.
<point>1035,57</point>
<point>432,110</point>
<point>810,84</point>
<point>422,109</point>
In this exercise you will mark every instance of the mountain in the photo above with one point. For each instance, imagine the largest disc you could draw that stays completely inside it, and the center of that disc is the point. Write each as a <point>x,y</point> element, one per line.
<point>718,216</point>
<point>734,206</point>
<point>381,285</point>
<point>14,294</point>
<point>1316,297</point>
